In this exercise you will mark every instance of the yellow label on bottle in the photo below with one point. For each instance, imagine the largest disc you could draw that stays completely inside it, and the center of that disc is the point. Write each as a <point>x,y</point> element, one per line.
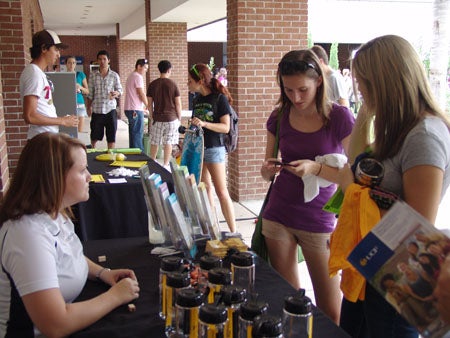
<point>193,325</point>
<point>229,324</point>
<point>163,294</point>
<point>212,331</point>
<point>249,331</point>
<point>169,300</point>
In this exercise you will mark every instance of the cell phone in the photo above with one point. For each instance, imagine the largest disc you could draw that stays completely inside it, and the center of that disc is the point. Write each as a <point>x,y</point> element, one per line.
<point>275,162</point>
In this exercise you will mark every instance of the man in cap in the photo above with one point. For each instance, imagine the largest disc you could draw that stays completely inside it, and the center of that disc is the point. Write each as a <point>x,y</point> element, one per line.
<point>36,89</point>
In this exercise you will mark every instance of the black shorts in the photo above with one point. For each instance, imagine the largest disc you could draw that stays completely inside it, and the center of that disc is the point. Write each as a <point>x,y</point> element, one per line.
<point>100,122</point>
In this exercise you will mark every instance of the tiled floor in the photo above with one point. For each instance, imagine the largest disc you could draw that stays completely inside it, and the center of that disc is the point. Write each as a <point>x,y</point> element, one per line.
<point>246,212</point>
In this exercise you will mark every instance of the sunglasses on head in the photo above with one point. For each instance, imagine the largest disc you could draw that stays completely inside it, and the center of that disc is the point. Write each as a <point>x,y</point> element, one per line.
<point>293,66</point>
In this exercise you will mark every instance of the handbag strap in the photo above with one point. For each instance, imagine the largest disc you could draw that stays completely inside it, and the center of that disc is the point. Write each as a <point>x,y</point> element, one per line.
<point>277,135</point>
<point>277,142</point>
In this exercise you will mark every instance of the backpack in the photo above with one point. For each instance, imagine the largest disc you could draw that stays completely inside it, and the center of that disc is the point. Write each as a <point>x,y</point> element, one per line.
<point>231,138</point>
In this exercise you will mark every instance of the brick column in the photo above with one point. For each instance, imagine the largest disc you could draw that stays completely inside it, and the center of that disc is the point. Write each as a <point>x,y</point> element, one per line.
<point>259,34</point>
<point>167,41</point>
<point>19,19</point>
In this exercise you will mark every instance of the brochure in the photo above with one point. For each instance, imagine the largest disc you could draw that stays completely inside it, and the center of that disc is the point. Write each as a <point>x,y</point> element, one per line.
<point>401,259</point>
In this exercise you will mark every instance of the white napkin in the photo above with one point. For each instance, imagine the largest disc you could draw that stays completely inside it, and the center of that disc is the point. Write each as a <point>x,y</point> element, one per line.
<point>312,182</point>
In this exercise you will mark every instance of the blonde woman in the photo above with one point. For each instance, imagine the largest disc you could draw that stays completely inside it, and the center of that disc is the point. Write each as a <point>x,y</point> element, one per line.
<point>82,89</point>
<point>412,141</point>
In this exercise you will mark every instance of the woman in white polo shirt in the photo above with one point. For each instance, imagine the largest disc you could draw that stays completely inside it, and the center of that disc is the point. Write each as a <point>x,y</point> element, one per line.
<point>43,268</point>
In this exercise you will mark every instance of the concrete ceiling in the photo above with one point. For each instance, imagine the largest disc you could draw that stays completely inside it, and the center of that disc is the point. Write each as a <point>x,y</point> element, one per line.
<point>99,17</point>
<point>344,21</point>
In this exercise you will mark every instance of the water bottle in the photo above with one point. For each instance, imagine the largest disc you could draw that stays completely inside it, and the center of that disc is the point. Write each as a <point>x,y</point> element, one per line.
<point>217,278</point>
<point>247,313</point>
<point>232,297</point>
<point>176,281</point>
<point>243,270</point>
<point>207,263</point>
<point>187,308</point>
<point>267,326</point>
<point>168,264</point>
<point>213,319</point>
<point>297,316</point>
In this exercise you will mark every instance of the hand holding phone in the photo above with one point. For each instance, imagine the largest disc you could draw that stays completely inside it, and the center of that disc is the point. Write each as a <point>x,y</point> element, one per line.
<point>280,163</point>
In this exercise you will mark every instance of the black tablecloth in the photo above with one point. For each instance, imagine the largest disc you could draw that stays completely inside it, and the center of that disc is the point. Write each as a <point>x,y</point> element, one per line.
<point>115,210</point>
<point>135,253</point>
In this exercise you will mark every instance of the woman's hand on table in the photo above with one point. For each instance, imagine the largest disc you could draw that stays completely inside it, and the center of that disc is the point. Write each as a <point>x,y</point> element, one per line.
<point>125,290</point>
<point>112,277</point>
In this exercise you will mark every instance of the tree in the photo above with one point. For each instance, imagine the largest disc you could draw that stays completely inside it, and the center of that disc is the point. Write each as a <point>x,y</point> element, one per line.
<point>334,60</point>
<point>439,54</point>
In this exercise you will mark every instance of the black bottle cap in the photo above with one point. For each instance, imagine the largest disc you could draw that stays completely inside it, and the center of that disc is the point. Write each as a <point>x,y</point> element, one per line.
<point>267,326</point>
<point>253,308</point>
<point>243,259</point>
<point>208,262</point>
<point>213,314</point>
<point>219,276</point>
<point>171,263</point>
<point>232,294</point>
<point>297,304</point>
<point>178,279</point>
<point>190,297</point>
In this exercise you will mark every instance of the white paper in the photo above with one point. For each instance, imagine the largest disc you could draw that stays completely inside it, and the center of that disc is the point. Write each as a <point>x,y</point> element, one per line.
<point>117,180</point>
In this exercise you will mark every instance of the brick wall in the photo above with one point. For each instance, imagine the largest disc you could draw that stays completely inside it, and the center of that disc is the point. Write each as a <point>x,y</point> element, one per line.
<point>259,34</point>
<point>19,19</point>
<point>129,51</point>
<point>168,41</point>
<point>4,169</point>
<point>88,47</point>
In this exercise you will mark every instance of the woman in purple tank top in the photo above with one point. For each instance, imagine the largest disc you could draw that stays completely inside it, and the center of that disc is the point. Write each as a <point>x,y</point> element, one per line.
<point>309,126</point>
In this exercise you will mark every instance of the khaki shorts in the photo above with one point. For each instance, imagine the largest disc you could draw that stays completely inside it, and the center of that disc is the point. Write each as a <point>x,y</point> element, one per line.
<point>309,241</point>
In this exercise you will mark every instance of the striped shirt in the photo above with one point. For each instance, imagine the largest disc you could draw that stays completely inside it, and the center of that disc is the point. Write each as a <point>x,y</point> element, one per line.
<point>99,89</point>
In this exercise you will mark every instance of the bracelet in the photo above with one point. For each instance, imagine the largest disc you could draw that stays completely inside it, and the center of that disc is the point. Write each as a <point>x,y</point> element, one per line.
<point>99,273</point>
<point>320,169</point>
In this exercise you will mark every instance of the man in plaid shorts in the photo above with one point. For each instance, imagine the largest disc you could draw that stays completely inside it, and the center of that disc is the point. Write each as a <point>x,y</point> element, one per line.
<point>164,105</point>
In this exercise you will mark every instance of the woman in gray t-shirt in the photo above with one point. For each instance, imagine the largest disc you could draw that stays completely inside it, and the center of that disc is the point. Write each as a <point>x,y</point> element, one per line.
<point>411,139</point>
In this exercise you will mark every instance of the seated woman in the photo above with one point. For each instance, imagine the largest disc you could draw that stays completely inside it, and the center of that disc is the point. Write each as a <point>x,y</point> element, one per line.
<point>43,265</point>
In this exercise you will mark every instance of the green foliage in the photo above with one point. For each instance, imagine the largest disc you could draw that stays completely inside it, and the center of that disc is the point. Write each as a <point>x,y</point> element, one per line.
<point>334,60</point>
<point>211,63</point>
<point>310,40</point>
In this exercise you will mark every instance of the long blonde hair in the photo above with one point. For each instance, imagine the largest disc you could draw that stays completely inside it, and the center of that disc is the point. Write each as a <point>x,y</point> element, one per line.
<point>397,90</point>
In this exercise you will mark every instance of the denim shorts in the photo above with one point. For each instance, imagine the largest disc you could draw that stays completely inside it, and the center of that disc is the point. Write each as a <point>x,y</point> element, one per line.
<point>214,155</point>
